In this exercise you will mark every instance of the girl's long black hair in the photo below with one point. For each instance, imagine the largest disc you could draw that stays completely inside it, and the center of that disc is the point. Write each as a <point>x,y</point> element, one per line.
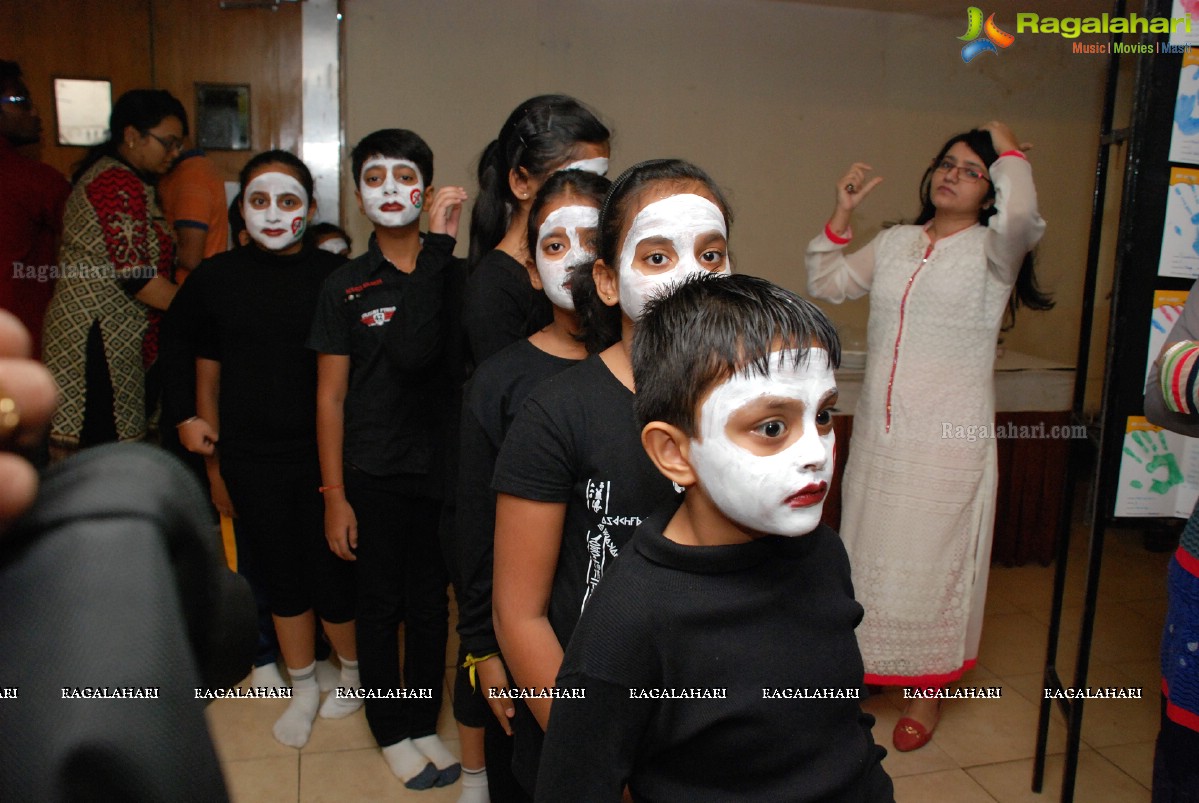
<point>1026,292</point>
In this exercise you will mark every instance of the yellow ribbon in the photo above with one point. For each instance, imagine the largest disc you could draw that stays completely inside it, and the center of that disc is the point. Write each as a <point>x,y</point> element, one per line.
<point>470,663</point>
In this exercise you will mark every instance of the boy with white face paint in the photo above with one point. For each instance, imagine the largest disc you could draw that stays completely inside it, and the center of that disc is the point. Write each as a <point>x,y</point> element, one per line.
<point>736,604</point>
<point>387,396</point>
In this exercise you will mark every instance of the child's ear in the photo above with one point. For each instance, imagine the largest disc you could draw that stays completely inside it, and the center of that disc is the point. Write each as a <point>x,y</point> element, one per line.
<point>670,450</point>
<point>520,183</point>
<point>534,276</point>
<point>605,283</point>
<point>358,198</point>
<point>311,211</point>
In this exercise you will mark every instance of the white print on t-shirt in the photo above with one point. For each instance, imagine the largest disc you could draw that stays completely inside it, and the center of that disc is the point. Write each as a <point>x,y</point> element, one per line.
<point>378,317</point>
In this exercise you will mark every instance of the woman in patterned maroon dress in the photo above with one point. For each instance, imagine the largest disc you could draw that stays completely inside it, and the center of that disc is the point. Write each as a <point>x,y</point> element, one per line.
<point>114,269</point>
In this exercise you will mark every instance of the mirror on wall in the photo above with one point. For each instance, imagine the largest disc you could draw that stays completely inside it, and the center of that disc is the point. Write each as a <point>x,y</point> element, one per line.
<point>82,107</point>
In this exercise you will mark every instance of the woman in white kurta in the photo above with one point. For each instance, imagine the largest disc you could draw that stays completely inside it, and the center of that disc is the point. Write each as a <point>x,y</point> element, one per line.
<point>919,488</point>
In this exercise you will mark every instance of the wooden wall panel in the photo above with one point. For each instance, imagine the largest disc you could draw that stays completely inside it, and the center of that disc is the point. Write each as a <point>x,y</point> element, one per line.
<point>195,41</point>
<point>95,39</point>
<point>171,44</point>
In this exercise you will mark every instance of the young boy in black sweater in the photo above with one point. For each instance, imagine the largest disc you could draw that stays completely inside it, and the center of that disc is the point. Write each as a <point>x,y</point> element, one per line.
<point>717,659</point>
<point>381,330</point>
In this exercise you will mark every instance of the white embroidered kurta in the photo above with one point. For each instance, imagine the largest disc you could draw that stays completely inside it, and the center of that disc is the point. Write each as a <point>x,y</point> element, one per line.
<point>918,507</point>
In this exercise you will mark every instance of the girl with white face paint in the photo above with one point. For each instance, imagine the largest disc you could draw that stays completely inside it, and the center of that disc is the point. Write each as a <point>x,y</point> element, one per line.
<point>543,135</point>
<point>561,234</point>
<point>577,436</point>
<point>276,209</point>
<point>251,310</point>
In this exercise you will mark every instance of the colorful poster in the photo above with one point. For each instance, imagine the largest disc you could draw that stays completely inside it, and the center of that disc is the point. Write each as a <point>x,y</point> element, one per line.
<point>1159,472</point>
<point>1167,306</point>
<point>1184,141</point>
<point>1180,235</point>
<point>1180,36</point>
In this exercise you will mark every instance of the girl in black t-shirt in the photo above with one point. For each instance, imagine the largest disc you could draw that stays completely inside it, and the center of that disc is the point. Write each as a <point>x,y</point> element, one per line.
<point>544,134</point>
<point>256,388</point>
<point>572,480</point>
<point>561,237</point>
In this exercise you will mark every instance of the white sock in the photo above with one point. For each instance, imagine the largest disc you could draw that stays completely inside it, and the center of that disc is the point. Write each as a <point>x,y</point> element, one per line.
<point>474,786</point>
<point>447,764</point>
<point>326,675</point>
<point>336,707</point>
<point>409,765</point>
<point>267,675</point>
<point>294,727</point>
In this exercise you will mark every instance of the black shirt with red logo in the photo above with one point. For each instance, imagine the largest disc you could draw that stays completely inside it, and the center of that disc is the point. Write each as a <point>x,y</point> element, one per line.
<point>399,331</point>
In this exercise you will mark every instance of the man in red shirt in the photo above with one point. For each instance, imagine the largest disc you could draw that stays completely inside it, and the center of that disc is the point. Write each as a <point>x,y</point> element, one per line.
<point>32,197</point>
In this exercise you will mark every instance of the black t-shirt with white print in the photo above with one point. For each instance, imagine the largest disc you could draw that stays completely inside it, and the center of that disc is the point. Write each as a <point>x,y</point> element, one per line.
<point>576,441</point>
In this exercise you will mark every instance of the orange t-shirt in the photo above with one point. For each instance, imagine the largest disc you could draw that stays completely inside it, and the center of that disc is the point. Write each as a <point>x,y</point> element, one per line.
<point>193,195</point>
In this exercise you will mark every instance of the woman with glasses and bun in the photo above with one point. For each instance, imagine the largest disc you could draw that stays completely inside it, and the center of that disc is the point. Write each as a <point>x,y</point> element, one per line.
<point>918,505</point>
<point>114,267</point>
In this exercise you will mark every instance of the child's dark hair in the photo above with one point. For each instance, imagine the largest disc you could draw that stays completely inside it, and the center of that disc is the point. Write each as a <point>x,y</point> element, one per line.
<point>1026,292</point>
<point>141,108</point>
<point>285,158</point>
<point>237,221</point>
<point>710,327</point>
<point>538,136</point>
<point>629,185</point>
<point>393,143</point>
<point>599,325</point>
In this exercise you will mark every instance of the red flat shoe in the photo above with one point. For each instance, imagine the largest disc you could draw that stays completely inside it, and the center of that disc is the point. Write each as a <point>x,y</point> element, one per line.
<point>910,735</point>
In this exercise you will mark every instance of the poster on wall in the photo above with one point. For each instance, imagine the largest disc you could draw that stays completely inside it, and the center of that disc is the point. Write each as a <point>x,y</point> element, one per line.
<point>1180,36</point>
<point>1184,139</point>
<point>1180,235</point>
<point>1167,306</point>
<point>1159,472</point>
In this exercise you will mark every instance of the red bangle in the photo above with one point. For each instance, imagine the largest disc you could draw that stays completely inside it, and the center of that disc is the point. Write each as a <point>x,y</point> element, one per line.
<point>324,488</point>
<point>1014,153</point>
<point>836,238</point>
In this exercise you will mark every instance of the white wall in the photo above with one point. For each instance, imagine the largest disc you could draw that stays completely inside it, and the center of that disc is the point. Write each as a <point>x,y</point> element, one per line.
<point>774,99</point>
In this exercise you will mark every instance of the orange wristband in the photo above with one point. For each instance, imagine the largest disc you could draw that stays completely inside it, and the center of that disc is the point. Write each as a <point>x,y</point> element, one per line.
<point>324,488</point>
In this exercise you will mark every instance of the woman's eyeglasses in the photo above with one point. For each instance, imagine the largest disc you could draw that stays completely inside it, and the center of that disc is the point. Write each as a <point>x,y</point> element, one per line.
<point>965,173</point>
<point>20,101</point>
<point>170,143</point>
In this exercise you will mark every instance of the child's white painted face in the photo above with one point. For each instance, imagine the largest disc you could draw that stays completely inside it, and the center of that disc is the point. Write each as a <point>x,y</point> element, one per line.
<point>393,191</point>
<point>566,238</point>
<point>670,239</point>
<point>598,165</point>
<point>766,447</point>
<point>275,207</point>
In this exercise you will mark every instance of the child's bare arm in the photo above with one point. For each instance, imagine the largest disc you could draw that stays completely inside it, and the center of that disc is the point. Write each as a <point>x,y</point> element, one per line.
<point>528,536</point>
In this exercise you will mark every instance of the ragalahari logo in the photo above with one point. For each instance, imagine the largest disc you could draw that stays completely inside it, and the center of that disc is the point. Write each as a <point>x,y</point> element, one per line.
<point>982,37</point>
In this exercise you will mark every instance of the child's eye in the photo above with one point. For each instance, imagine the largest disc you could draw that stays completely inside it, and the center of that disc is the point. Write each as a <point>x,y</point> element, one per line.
<point>657,259</point>
<point>771,429</point>
<point>825,416</point>
<point>712,257</point>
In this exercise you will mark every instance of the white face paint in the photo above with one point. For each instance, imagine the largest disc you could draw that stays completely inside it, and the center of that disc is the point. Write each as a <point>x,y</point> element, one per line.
<point>389,202</point>
<point>598,165</point>
<point>781,493</point>
<point>275,207</point>
<point>560,246</point>
<point>681,219</point>
<point>335,245</point>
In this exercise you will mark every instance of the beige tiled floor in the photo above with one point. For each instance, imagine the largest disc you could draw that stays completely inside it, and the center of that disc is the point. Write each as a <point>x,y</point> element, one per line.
<point>983,749</point>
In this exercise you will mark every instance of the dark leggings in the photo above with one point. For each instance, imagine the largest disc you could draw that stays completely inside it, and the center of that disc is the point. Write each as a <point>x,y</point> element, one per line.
<point>99,420</point>
<point>281,517</point>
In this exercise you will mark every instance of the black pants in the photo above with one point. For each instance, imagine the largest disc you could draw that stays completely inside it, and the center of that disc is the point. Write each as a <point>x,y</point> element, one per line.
<point>1175,774</point>
<point>401,577</point>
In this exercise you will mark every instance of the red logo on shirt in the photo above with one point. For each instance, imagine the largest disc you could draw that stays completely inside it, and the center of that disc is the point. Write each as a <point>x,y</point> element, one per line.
<point>378,317</point>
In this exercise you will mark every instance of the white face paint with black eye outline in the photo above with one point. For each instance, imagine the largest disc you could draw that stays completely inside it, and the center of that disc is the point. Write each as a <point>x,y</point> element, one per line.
<point>781,493</point>
<point>391,203</point>
<point>681,219</point>
<point>598,165</point>
<point>566,225</point>
<point>274,220</point>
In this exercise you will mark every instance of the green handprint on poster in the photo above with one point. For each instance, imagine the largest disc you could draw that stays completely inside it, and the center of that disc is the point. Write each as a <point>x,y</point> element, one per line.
<point>1151,451</point>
